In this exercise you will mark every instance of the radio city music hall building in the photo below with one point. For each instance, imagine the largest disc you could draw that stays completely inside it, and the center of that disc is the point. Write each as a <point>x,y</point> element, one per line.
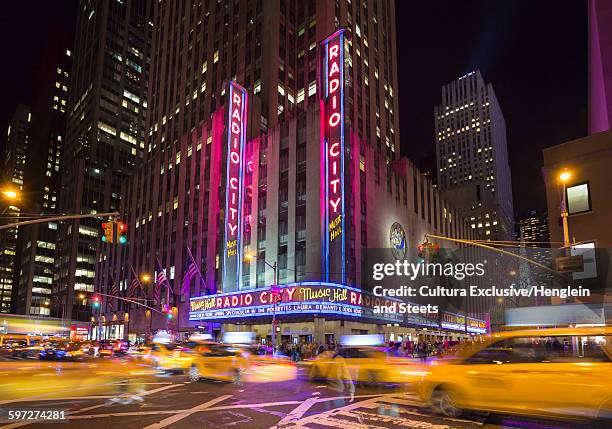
<point>298,165</point>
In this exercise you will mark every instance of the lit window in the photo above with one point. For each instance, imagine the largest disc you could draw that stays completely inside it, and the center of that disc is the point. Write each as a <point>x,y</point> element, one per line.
<point>578,199</point>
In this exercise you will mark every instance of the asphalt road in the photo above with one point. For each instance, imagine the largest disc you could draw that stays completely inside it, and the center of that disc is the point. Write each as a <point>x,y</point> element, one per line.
<point>173,402</point>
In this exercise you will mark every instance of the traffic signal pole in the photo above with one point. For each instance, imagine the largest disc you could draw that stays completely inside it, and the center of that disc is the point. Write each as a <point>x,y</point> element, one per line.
<point>57,218</point>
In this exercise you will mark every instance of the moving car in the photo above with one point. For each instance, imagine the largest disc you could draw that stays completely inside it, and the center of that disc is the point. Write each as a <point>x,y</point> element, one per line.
<point>113,347</point>
<point>139,353</point>
<point>563,372</point>
<point>170,357</point>
<point>218,362</point>
<point>357,364</point>
<point>61,351</point>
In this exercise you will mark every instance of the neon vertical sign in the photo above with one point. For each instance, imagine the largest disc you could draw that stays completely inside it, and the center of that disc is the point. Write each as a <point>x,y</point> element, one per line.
<point>236,137</point>
<point>331,84</point>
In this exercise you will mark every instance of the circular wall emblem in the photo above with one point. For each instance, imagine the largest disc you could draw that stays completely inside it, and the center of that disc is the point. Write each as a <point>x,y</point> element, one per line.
<point>397,239</point>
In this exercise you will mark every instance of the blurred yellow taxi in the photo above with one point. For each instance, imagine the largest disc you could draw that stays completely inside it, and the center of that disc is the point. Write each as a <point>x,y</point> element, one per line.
<point>170,357</point>
<point>564,372</point>
<point>218,362</point>
<point>36,379</point>
<point>361,364</point>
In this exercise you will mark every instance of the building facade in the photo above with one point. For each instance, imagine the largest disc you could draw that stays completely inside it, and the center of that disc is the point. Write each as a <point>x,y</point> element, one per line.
<point>532,229</point>
<point>13,168</point>
<point>105,137</point>
<point>600,65</point>
<point>472,153</point>
<point>38,242</point>
<point>279,144</point>
<point>587,191</point>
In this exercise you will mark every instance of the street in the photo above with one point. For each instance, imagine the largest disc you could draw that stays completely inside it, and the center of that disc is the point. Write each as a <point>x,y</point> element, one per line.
<point>174,402</point>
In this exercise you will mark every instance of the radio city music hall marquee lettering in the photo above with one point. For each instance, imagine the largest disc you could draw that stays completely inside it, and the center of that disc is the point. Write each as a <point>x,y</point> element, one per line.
<point>310,297</point>
<point>236,136</point>
<point>333,153</point>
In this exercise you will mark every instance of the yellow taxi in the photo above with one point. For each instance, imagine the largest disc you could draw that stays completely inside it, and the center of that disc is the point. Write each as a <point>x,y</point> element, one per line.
<point>240,363</point>
<point>562,372</point>
<point>219,362</point>
<point>34,379</point>
<point>170,357</point>
<point>358,364</point>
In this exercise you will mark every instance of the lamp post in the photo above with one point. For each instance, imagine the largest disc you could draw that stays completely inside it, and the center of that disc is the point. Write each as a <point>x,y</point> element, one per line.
<point>564,177</point>
<point>274,290</point>
<point>145,278</point>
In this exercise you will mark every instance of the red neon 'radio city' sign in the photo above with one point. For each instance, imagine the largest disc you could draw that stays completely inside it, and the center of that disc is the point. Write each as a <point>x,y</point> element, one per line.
<point>331,59</point>
<point>236,136</point>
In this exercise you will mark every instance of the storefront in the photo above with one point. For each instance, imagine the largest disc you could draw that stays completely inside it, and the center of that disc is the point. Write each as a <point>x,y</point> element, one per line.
<point>322,312</point>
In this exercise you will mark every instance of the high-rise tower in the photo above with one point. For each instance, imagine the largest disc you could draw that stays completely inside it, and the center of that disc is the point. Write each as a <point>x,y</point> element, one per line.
<point>472,153</point>
<point>105,137</point>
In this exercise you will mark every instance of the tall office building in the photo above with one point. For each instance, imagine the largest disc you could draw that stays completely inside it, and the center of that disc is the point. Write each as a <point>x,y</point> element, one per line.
<point>38,242</point>
<point>600,65</point>
<point>13,168</point>
<point>281,144</point>
<point>472,154</point>
<point>219,41</point>
<point>532,229</point>
<point>105,138</point>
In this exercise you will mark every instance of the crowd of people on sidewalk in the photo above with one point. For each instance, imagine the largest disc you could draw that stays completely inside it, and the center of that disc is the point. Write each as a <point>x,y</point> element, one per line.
<point>421,349</point>
<point>305,350</point>
<point>411,349</point>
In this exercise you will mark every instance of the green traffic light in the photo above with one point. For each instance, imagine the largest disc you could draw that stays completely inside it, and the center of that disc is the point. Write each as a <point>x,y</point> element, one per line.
<point>169,316</point>
<point>104,239</point>
<point>122,240</point>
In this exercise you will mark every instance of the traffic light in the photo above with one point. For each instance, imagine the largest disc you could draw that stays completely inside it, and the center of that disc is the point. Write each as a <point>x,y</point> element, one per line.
<point>108,228</point>
<point>428,251</point>
<point>167,310</point>
<point>96,301</point>
<point>121,232</point>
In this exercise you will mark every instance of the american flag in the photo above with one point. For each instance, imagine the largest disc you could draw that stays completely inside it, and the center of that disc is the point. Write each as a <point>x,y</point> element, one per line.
<point>133,286</point>
<point>114,291</point>
<point>160,279</point>
<point>189,275</point>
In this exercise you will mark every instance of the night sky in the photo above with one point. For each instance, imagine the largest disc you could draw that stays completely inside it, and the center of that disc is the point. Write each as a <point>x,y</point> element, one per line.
<point>533,52</point>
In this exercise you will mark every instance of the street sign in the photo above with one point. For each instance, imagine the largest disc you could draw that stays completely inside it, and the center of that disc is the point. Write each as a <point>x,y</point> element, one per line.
<point>569,264</point>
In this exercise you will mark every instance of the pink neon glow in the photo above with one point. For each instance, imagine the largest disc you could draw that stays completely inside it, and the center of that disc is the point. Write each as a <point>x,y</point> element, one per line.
<point>334,117</point>
<point>234,156</point>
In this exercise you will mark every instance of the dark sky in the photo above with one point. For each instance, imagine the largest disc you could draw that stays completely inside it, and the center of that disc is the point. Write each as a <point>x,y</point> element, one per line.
<point>30,31</point>
<point>533,52</point>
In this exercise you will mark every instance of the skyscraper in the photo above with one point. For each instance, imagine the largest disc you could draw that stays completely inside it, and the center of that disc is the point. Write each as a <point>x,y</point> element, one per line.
<point>13,168</point>
<point>472,154</point>
<point>279,145</point>
<point>105,131</point>
<point>38,242</point>
<point>600,65</point>
<point>532,230</point>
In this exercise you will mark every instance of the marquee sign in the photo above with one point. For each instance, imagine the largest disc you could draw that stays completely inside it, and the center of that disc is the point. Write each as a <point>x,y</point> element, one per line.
<point>331,89</point>
<point>420,320</point>
<point>476,326</point>
<point>453,321</point>
<point>236,137</point>
<point>295,298</point>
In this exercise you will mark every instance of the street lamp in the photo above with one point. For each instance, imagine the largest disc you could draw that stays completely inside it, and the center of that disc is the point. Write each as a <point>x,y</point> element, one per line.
<point>145,277</point>
<point>10,195</point>
<point>273,292</point>
<point>564,177</point>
